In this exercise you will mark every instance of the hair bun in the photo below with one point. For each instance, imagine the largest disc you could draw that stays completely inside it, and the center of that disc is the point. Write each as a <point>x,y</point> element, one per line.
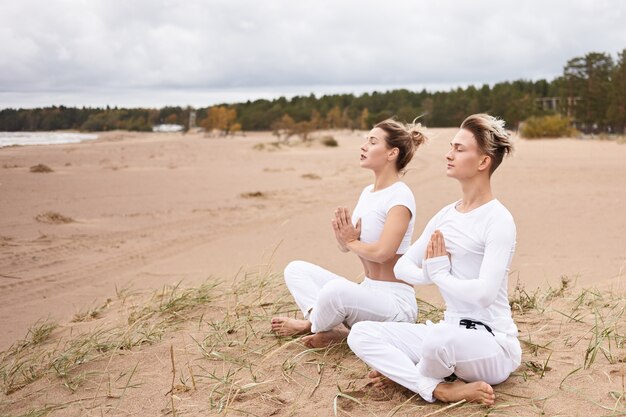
<point>407,137</point>
<point>417,133</point>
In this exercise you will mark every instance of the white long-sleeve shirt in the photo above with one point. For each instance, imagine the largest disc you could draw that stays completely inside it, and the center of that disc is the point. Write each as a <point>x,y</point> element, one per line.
<point>474,280</point>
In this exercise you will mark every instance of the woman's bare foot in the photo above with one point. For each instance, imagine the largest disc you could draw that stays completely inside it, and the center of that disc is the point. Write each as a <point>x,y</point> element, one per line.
<point>323,339</point>
<point>475,392</point>
<point>286,326</point>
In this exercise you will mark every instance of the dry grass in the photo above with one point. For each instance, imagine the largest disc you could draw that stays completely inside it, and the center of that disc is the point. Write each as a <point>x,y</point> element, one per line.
<point>253,194</point>
<point>269,146</point>
<point>41,168</point>
<point>216,356</point>
<point>311,176</point>
<point>91,313</point>
<point>5,240</point>
<point>52,217</point>
<point>329,141</point>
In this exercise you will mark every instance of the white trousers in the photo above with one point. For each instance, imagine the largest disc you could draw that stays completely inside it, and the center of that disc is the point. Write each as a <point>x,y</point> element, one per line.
<point>327,299</point>
<point>420,356</point>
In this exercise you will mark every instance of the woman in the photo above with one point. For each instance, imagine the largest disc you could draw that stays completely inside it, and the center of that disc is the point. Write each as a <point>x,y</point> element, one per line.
<point>466,251</point>
<point>378,232</point>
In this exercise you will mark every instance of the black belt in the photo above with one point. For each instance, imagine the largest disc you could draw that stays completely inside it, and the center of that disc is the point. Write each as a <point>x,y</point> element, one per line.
<point>471,324</point>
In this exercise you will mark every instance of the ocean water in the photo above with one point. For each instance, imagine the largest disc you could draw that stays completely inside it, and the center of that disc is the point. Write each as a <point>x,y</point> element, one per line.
<point>43,138</point>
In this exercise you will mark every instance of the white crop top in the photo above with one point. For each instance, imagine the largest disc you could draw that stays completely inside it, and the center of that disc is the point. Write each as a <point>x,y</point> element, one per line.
<point>372,209</point>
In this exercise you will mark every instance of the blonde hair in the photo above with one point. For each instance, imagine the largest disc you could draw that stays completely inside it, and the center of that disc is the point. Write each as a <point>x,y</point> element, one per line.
<point>406,137</point>
<point>492,138</point>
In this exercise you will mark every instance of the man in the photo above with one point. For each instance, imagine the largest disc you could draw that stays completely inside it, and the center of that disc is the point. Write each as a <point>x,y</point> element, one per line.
<point>466,250</point>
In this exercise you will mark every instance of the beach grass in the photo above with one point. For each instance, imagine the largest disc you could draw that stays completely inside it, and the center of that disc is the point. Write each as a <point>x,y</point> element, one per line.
<point>52,217</point>
<point>41,169</point>
<point>208,350</point>
<point>329,141</point>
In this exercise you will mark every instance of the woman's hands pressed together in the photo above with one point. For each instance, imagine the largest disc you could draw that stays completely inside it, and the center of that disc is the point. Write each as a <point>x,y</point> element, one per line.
<point>345,231</point>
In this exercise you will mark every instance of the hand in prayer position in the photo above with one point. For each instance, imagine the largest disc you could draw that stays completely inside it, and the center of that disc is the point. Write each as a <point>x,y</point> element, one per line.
<point>436,246</point>
<point>345,231</point>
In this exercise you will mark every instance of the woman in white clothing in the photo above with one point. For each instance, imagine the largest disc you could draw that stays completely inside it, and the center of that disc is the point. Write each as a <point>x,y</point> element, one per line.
<point>378,232</point>
<point>466,250</point>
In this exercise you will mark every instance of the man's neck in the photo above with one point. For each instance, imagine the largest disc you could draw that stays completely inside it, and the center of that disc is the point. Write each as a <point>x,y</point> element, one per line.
<point>475,194</point>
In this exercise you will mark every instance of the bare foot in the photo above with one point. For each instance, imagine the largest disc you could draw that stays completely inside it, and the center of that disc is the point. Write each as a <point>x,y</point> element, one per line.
<point>323,339</point>
<point>474,392</point>
<point>384,388</point>
<point>286,326</point>
<point>380,381</point>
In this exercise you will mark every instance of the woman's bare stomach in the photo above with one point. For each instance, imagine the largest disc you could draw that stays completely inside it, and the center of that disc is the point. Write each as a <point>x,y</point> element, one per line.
<point>381,272</point>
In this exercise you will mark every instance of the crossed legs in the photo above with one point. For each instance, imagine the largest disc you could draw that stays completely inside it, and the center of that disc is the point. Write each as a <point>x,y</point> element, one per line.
<point>419,357</point>
<point>330,303</point>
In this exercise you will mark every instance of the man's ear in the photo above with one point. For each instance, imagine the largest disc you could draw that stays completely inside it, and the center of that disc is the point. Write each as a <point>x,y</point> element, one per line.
<point>484,163</point>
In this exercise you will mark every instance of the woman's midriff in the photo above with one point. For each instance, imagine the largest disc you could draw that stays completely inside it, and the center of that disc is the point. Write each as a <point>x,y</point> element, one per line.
<point>381,271</point>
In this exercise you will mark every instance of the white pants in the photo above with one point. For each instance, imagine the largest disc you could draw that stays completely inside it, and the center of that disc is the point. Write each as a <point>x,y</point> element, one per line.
<point>327,299</point>
<point>420,356</point>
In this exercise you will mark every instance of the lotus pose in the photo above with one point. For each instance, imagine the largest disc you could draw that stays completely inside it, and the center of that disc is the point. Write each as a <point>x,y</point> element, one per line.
<point>378,232</point>
<point>466,251</point>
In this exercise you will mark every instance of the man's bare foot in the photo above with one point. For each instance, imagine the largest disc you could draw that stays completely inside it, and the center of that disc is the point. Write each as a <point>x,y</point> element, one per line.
<point>383,388</point>
<point>475,392</point>
<point>380,381</point>
<point>286,326</point>
<point>323,339</point>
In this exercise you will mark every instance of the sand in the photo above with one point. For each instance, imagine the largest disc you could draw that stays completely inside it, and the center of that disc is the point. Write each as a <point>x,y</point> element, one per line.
<point>133,211</point>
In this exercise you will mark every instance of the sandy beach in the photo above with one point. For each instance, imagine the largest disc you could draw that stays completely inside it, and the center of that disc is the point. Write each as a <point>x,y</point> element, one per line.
<point>148,210</point>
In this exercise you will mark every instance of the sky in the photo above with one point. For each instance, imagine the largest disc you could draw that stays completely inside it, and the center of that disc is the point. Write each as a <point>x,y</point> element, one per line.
<point>152,53</point>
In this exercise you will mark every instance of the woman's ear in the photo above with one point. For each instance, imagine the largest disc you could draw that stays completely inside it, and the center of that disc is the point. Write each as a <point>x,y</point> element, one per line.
<point>393,153</point>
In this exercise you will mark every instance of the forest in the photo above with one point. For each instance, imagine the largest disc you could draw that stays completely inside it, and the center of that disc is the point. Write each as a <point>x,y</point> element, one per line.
<point>590,95</point>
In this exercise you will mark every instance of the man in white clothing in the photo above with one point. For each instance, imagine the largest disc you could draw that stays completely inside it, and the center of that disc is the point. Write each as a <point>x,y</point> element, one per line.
<point>466,250</point>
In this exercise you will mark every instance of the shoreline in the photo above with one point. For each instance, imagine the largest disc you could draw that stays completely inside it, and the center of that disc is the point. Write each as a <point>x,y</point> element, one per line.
<point>85,136</point>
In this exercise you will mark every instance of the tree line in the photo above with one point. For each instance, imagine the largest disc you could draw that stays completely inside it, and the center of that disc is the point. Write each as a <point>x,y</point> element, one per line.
<point>591,93</point>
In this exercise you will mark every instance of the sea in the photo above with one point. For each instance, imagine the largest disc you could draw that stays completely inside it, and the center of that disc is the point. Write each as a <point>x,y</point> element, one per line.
<point>42,138</point>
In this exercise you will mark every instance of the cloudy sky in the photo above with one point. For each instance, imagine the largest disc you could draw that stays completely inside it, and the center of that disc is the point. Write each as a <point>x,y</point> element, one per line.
<point>200,52</point>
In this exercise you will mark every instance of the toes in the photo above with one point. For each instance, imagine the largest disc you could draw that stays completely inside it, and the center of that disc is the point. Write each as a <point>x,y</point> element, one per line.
<point>373,373</point>
<point>379,385</point>
<point>489,397</point>
<point>307,341</point>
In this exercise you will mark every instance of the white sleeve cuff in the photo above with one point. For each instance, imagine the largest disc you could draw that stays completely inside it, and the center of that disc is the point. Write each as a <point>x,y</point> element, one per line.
<point>436,268</point>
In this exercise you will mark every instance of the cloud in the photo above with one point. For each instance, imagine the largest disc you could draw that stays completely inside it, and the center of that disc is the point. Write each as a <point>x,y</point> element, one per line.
<point>81,46</point>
